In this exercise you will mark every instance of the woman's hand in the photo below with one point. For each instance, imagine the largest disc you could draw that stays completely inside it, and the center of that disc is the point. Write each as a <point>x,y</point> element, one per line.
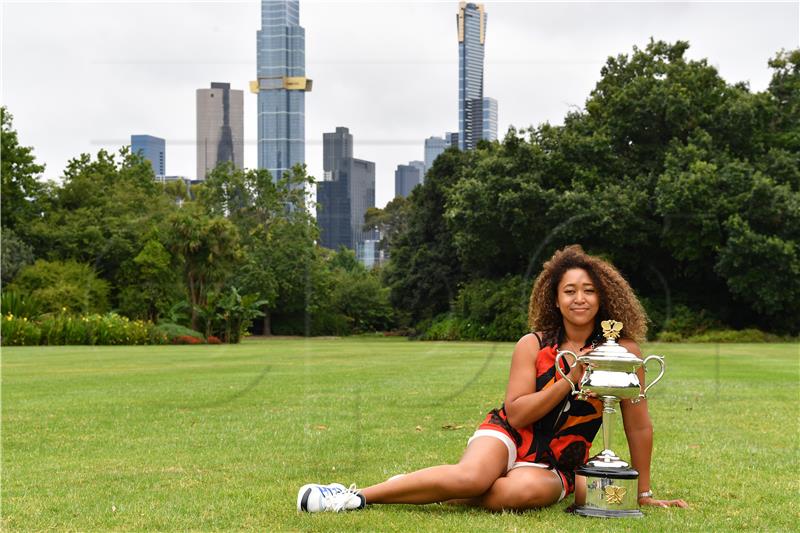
<point>576,373</point>
<point>663,503</point>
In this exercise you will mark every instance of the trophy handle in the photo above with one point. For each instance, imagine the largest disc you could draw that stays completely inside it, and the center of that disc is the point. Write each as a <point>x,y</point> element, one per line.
<point>647,359</point>
<point>559,357</point>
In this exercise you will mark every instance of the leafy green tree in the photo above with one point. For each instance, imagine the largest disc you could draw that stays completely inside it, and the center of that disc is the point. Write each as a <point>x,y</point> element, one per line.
<point>15,254</point>
<point>281,262</point>
<point>101,215</point>
<point>19,171</point>
<point>63,284</point>
<point>153,284</point>
<point>784,90</point>
<point>357,302</point>
<point>208,251</point>
<point>763,271</point>
<point>678,177</point>
<point>390,221</point>
<point>425,270</point>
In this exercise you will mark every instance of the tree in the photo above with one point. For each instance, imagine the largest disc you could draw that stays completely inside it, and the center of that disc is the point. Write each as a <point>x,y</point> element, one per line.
<point>153,285</point>
<point>20,185</point>
<point>390,221</point>
<point>208,251</point>
<point>679,178</point>
<point>425,270</point>
<point>101,215</point>
<point>280,262</point>
<point>16,254</point>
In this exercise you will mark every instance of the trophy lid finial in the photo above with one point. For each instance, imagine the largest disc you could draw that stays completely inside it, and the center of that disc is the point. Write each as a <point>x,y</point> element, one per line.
<point>611,329</point>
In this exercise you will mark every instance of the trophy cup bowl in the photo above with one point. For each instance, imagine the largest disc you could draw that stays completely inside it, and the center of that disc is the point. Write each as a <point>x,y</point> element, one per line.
<point>611,485</point>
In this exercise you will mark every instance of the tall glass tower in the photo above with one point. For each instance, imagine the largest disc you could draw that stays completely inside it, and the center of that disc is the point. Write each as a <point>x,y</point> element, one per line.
<point>471,21</point>
<point>281,87</point>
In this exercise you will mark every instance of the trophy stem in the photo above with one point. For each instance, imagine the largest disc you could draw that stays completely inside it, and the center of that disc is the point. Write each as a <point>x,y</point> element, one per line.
<point>607,458</point>
<point>608,420</point>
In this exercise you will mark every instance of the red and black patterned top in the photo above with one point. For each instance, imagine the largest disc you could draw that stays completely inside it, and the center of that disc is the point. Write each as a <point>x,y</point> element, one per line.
<point>563,437</point>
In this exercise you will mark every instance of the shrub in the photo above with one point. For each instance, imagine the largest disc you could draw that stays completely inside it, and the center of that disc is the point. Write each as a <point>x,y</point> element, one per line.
<point>20,305</point>
<point>109,329</point>
<point>186,339</point>
<point>19,331</point>
<point>447,327</point>
<point>687,322</point>
<point>484,309</point>
<point>63,284</point>
<point>213,340</point>
<point>670,336</point>
<point>171,331</point>
<point>730,335</point>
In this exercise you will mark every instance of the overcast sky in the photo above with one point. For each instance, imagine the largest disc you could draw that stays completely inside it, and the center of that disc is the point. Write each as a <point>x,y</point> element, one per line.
<point>80,76</point>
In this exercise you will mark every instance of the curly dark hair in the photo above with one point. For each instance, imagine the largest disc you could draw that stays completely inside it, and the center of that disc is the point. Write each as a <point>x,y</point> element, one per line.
<point>617,300</point>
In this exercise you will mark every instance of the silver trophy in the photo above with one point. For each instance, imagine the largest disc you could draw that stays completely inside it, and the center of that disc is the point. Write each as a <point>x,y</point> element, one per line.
<point>611,485</point>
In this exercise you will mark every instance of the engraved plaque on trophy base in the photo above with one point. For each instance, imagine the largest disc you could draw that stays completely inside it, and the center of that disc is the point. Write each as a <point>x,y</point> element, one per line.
<point>610,492</point>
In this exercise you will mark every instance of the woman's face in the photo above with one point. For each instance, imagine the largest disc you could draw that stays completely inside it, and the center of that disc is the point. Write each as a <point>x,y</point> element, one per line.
<point>578,300</point>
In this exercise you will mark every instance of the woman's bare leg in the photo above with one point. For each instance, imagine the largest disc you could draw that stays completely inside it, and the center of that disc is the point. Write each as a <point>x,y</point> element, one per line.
<point>483,462</point>
<point>522,488</point>
<point>580,489</point>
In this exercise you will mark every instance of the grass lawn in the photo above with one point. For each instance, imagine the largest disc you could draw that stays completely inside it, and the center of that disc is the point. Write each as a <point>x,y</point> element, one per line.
<point>185,438</point>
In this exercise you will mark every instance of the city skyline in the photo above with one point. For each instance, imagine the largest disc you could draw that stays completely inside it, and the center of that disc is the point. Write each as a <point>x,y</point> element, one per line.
<point>542,60</point>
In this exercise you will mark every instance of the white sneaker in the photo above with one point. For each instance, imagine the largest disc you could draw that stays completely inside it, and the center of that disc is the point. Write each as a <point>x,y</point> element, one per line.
<point>315,498</point>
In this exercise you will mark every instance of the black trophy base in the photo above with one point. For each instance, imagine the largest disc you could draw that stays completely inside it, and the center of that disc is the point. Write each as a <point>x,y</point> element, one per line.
<point>610,492</point>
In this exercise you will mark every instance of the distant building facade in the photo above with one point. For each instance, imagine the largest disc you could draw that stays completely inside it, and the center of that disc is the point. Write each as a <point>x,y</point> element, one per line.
<point>153,149</point>
<point>489,119</point>
<point>452,139</point>
<point>369,254</point>
<point>220,127</point>
<point>336,146</point>
<point>434,147</point>
<point>419,165</point>
<point>406,177</point>
<point>345,194</point>
<point>281,87</point>
<point>471,22</point>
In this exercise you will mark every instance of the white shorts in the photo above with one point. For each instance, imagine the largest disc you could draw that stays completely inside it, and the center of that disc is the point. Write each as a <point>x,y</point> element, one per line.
<point>512,455</point>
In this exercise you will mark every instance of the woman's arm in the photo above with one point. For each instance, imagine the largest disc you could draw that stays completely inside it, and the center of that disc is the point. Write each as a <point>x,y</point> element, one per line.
<point>524,404</point>
<point>639,432</point>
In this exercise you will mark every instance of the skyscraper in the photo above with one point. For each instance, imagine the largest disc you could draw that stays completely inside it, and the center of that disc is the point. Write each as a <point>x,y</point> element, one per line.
<point>406,177</point>
<point>220,127</point>
<point>345,194</point>
<point>153,149</point>
<point>434,147</point>
<point>471,20</point>
<point>335,147</point>
<point>281,87</point>
<point>489,119</point>
<point>419,165</point>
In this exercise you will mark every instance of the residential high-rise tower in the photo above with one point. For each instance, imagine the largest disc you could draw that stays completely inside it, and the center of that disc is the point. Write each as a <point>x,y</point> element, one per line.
<point>471,20</point>
<point>281,86</point>
<point>220,127</point>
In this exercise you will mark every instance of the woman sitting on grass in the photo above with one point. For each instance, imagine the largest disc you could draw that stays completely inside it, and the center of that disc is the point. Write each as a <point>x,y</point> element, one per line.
<point>524,454</point>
